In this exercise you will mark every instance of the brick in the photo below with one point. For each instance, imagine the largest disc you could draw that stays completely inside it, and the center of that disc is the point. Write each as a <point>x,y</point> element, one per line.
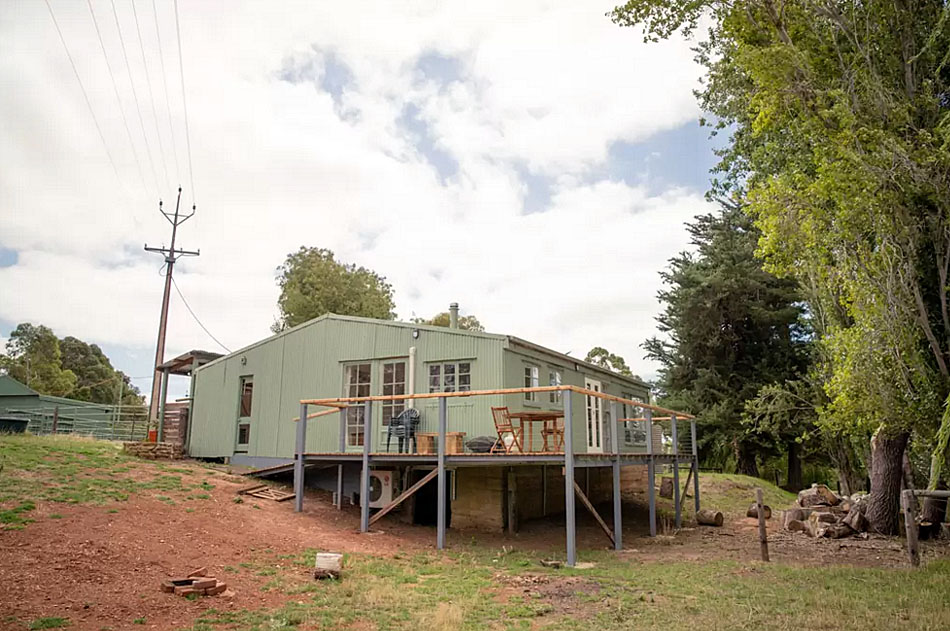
<point>204,583</point>
<point>217,589</point>
<point>168,587</point>
<point>201,571</point>
<point>185,590</point>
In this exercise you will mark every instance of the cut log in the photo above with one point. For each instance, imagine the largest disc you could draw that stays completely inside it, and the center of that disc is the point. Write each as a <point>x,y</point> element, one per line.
<point>856,520</point>
<point>817,495</point>
<point>754,512</point>
<point>666,487</point>
<point>795,525</point>
<point>707,517</point>
<point>818,522</point>
<point>836,531</point>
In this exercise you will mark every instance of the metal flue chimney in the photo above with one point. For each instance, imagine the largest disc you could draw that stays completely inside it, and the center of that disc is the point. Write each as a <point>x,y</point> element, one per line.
<point>454,315</point>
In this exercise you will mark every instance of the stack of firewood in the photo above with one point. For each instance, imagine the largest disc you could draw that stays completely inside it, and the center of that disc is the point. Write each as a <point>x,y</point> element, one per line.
<point>820,512</point>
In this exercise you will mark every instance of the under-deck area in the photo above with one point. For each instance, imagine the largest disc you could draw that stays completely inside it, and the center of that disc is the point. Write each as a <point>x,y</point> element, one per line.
<point>664,443</point>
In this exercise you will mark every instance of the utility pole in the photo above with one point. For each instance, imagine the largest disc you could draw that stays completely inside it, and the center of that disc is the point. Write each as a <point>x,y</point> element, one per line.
<point>171,255</point>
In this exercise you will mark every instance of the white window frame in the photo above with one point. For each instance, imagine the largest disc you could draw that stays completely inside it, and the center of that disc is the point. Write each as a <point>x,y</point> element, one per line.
<point>555,378</point>
<point>437,371</point>
<point>532,379</point>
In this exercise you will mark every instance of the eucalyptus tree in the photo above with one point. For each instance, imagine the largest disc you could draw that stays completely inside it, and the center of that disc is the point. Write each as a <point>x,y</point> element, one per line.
<point>839,119</point>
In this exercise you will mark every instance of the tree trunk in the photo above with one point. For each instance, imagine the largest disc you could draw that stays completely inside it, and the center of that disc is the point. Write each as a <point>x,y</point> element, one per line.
<point>794,476</point>
<point>851,478</point>
<point>887,473</point>
<point>745,461</point>
<point>934,512</point>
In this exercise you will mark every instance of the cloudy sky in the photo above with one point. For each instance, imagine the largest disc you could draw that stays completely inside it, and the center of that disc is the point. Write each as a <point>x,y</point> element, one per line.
<point>528,159</point>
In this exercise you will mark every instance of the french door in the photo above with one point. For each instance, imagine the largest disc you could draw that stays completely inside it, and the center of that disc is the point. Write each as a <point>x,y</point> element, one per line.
<point>595,418</point>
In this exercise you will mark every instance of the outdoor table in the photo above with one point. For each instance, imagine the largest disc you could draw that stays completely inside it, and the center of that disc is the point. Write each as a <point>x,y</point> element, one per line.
<point>529,417</point>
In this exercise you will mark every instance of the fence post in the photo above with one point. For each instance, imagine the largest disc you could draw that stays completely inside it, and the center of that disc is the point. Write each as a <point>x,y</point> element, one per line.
<point>55,419</point>
<point>570,516</point>
<point>441,499</point>
<point>692,431</point>
<point>676,473</point>
<point>161,409</point>
<point>364,482</point>
<point>300,448</point>
<point>651,470</point>
<point>909,504</point>
<point>763,533</point>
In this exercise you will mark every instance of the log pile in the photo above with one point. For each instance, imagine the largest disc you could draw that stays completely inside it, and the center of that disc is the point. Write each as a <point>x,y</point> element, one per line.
<point>820,512</point>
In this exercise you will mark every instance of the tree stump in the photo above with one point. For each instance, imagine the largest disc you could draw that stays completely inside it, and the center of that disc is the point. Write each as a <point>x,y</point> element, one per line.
<point>707,517</point>
<point>666,487</point>
<point>754,511</point>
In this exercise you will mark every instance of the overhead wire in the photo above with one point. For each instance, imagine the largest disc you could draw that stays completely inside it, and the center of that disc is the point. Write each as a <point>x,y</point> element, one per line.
<point>135,97</point>
<point>171,128</point>
<point>151,95</point>
<point>184,102</point>
<point>203,327</point>
<point>85,94</point>
<point>118,99</point>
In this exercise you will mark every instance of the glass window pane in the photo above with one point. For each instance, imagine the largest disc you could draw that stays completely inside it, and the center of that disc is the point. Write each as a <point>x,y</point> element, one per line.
<point>465,367</point>
<point>434,370</point>
<point>364,370</point>
<point>449,369</point>
<point>387,372</point>
<point>400,371</point>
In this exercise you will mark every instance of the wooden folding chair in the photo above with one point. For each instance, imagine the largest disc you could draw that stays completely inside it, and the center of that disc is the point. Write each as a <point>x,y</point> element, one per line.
<point>555,432</point>
<point>504,427</point>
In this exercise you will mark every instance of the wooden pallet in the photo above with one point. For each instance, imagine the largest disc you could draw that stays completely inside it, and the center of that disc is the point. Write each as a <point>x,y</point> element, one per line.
<point>264,492</point>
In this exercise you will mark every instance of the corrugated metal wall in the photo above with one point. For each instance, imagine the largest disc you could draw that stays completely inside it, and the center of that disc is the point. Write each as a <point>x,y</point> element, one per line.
<point>308,362</point>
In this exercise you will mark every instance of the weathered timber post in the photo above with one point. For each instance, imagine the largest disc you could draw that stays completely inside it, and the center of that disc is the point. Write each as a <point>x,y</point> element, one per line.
<point>676,473</point>
<point>440,480</point>
<point>651,471</point>
<point>570,516</point>
<point>692,431</point>
<point>299,450</point>
<point>909,504</point>
<point>615,441</point>
<point>161,406</point>
<point>339,467</point>
<point>763,533</point>
<point>364,480</point>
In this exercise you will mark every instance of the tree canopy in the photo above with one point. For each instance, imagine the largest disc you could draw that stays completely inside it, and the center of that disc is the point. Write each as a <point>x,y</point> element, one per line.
<point>839,122</point>
<point>312,283</point>
<point>731,328</point>
<point>65,367</point>
<point>467,322</point>
<point>600,356</point>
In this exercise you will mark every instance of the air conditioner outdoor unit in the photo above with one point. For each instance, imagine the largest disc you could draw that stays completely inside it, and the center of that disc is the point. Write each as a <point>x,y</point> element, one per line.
<point>380,488</point>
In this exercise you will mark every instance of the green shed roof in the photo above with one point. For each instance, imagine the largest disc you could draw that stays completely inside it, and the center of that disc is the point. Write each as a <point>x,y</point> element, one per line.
<point>10,387</point>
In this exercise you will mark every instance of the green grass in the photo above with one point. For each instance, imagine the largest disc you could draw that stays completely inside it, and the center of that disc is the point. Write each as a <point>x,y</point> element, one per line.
<point>74,470</point>
<point>481,588</point>
<point>49,623</point>
<point>728,492</point>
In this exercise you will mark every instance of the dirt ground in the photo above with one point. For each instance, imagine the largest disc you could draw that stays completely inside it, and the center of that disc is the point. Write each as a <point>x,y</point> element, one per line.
<point>101,566</point>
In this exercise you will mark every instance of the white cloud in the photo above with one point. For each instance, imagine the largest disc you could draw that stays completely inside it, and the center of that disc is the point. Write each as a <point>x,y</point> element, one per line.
<point>545,84</point>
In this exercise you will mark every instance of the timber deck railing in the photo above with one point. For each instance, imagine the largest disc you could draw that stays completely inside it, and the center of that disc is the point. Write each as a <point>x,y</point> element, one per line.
<point>660,433</point>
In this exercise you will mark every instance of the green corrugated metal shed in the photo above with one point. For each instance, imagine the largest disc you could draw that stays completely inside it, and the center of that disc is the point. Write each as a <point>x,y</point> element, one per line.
<point>17,399</point>
<point>312,360</point>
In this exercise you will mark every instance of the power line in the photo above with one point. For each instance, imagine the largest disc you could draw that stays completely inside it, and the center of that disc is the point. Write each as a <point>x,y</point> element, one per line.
<point>151,95</point>
<point>85,95</point>
<point>118,99</point>
<point>135,97</point>
<point>180,295</point>
<point>168,107</point>
<point>184,102</point>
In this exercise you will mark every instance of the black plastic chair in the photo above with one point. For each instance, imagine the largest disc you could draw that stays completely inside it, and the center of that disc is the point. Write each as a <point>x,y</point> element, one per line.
<point>403,427</point>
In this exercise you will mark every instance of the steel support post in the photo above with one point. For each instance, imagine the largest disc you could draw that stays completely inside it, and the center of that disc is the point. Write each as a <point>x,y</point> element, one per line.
<point>651,471</point>
<point>676,473</point>
<point>570,516</point>
<point>364,481</point>
<point>299,450</point>
<point>440,480</point>
<point>161,409</point>
<point>615,441</point>
<point>692,432</point>
<point>339,467</point>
